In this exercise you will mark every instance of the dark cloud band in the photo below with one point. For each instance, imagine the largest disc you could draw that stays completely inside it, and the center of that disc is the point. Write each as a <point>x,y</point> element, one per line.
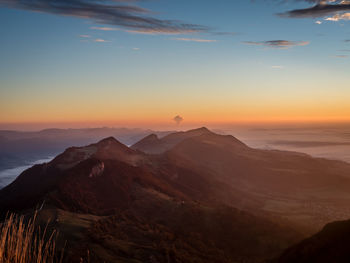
<point>322,8</point>
<point>282,44</point>
<point>115,13</point>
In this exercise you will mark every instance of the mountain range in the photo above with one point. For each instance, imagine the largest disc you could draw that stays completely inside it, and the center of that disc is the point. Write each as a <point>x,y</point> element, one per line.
<point>19,148</point>
<point>193,196</point>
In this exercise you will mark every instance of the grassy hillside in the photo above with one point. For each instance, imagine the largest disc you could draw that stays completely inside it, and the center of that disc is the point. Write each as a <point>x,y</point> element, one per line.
<point>22,241</point>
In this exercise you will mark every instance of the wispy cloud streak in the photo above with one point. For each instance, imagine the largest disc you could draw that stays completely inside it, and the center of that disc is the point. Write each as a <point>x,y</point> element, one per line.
<point>100,40</point>
<point>340,56</point>
<point>103,28</point>
<point>281,44</point>
<point>195,40</point>
<point>115,13</point>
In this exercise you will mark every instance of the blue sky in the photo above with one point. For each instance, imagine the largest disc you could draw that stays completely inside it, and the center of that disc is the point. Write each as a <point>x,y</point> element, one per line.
<point>245,62</point>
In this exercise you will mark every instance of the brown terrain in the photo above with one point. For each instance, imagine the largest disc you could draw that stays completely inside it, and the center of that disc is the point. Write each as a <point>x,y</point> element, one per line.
<point>191,196</point>
<point>331,244</point>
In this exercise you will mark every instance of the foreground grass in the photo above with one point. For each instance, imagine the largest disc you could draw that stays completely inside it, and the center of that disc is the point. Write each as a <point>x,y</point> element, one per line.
<point>21,241</point>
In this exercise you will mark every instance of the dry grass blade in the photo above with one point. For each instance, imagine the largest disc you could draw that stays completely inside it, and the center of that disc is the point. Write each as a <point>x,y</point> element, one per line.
<point>22,242</point>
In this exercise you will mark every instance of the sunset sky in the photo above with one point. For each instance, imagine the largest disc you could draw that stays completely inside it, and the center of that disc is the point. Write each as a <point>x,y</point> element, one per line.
<point>140,63</point>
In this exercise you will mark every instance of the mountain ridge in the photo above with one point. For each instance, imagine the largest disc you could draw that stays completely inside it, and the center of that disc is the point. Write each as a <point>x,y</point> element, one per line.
<point>221,167</point>
<point>200,176</point>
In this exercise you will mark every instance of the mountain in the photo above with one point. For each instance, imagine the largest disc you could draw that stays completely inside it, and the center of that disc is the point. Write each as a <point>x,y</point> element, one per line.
<point>331,244</point>
<point>33,184</point>
<point>192,196</point>
<point>19,148</point>
<point>153,145</point>
<point>148,207</point>
<point>307,191</point>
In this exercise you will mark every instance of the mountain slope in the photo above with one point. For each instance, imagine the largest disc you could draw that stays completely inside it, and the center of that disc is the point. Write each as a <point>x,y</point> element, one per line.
<point>307,191</point>
<point>209,168</point>
<point>331,244</point>
<point>148,207</point>
<point>196,189</point>
<point>33,184</point>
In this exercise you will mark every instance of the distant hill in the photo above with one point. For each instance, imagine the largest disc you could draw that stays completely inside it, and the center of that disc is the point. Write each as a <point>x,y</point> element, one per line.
<point>20,148</point>
<point>192,196</point>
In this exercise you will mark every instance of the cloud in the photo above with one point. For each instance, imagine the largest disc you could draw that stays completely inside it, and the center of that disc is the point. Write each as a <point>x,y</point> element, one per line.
<point>135,48</point>
<point>103,28</point>
<point>178,119</point>
<point>139,31</point>
<point>341,56</point>
<point>224,33</point>
<point>277,67</point>
<point>318,22</point>
<point>123,13</point>
<point>337,17</point>
<point>281,44</point>
<point>85,36</point>
<point>156,32</point>
<point>307,143</point>
<point>194,40</point>
<point>320,9</point>
<point>100,40</point>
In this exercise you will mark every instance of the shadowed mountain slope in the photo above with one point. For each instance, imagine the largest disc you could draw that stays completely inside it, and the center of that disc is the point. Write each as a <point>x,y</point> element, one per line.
<point>149,207</point>
<point>331,244</point>
<point>195,188</point>
<point>308,191</point>
<point>206,167</point>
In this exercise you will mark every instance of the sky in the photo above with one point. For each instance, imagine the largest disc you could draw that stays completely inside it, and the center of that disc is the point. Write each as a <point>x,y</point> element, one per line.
<point>141,63</point>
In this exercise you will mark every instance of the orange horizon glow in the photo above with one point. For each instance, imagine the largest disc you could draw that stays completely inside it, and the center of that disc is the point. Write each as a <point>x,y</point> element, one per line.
<point>158,112</point>
<point>190,118</point>
<point>169,124</point>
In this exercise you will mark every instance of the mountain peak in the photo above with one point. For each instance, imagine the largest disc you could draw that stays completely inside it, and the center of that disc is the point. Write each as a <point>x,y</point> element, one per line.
<point>108,148</point>
<point>186,134</point>
<point>199,130</point>
<point>111,142</point>
<point>152,144</point>
<point>149,141</point>
<point>110,139</point>
<point>111,147</point>
<point>151,137</point>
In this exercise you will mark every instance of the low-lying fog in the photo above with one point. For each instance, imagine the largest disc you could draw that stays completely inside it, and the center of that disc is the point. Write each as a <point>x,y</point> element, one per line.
<point>332,142</point>
<point>8,175</point>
